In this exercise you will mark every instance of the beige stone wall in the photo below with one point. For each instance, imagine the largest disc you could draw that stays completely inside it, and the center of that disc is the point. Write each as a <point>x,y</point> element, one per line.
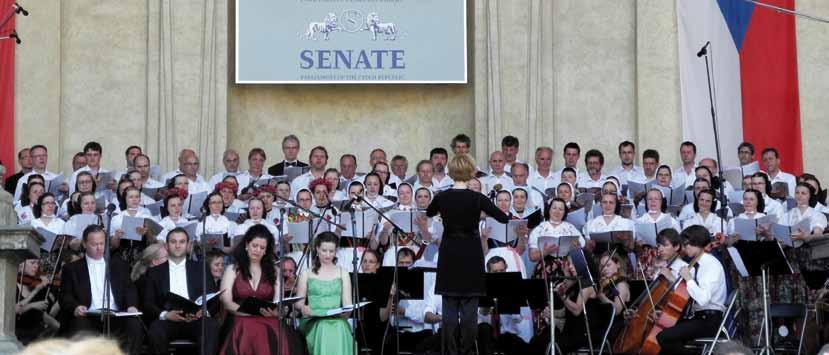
<point>158,74</point>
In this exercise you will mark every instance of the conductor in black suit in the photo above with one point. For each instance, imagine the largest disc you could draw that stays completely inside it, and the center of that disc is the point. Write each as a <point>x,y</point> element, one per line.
<point>83,290</point>
<point>183,277</point>
<point>290,149</point>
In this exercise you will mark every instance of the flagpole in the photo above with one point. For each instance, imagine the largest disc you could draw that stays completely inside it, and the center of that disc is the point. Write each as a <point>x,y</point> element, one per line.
<point>787,11</point>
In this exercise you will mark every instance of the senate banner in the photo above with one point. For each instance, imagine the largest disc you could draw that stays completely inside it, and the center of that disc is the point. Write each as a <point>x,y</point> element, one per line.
<point>350,41</point>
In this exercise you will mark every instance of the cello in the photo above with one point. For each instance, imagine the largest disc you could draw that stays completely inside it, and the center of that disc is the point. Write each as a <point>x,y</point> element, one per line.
<point>639,334</point>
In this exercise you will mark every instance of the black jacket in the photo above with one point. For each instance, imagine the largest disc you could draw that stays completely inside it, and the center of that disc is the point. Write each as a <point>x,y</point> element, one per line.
<point>279,168</point>
<point>158,284</point>
<point>76,290</point>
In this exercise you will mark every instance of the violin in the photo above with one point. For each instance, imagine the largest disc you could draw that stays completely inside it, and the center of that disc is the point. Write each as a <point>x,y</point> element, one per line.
<point>608,284</point>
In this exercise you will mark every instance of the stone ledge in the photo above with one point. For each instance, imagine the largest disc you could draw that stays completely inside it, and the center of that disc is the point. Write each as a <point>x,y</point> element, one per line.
<point>20,242</point>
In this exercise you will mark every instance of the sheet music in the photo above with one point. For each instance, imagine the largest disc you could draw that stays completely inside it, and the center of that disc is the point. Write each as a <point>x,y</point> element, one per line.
<point>646,233</point>
<point>746,228</point>
<point>189,227</point>
<point>299,232</point>
<point>503,232</point>
<point>738,261</point>
<point>565,244</point>
<point>130,225</point>
<point>577,218</point>
<point>194,203</point>
<point>79,223</point>
<point>54,184</point>
<point>407,220</point>
<point>48,237</point>
<point>362,222</point>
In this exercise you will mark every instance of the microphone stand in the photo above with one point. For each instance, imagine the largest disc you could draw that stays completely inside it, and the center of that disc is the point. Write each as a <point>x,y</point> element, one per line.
<point>394,233</point>
<point>314,215</point>
<point>204,270</point>
<point>105,312</point>
<point>723,205</point>
<point>355,284</point>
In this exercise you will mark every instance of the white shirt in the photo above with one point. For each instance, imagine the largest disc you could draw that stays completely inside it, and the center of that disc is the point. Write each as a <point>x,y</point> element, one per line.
<point>519,324</point>
<point>491,180</point>
<point>646,218</point>
<point>193,186</point>
<point>773,208</point>
<point>787,178</point>
<point>47,175</point>
<point>169,224</point>
<point>24,214</point>
<point>245,179</point>
<point>636,173</point>
<point>599,225</point>
<point>441,184</point>
<point>712,223</point>
<point>118,219</point>
<point>215,224</point>
<point>243,228</point>
<point>680,177</point>
<point>586,182</point>
<point>707,287</point>
<point>237,206</point>
<point>55,225</point>
<point>433,302</point>
<point>794,216</point>
<point>97,271</point>
<point>215,179</point>
<point>301,182</point>
<point>178,278</point>
<point>548,229</point>
<point>543,183</point>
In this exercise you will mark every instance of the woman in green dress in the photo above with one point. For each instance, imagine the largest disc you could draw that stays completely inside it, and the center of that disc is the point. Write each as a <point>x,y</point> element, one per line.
<point>326,286</point>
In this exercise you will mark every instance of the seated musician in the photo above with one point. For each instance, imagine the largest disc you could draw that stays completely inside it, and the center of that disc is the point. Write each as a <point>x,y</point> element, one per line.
<point>35,306</point>
<point>515,330</point>
<point>83,291</point>
<point>184,278</point>
<point>707,290</point>
<point>407,314</point>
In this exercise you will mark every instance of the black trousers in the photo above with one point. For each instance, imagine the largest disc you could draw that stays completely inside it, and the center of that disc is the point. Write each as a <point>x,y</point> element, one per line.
<point>126,329</point>
<point>673,339</point>
<point>162,332</point>
<point>508,343</point>
<point>459,312</point>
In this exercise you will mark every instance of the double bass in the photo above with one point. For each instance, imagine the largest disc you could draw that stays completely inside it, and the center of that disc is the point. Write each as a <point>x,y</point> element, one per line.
<point>639,334</point>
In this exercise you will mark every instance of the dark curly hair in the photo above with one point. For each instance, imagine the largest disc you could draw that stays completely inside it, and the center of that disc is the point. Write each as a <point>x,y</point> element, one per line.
<point>240,254</point>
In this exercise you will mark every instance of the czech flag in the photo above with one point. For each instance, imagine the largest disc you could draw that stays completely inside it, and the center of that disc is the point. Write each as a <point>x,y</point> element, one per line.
<point>753,56</point>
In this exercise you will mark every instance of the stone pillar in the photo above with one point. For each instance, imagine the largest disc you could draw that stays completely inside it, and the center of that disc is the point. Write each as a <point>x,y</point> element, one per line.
<point>16,244</point>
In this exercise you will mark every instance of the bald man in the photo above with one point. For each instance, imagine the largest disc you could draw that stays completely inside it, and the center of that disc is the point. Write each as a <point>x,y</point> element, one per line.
<point>230,159</point>
<point>497,174</point>
<point>188,165</point>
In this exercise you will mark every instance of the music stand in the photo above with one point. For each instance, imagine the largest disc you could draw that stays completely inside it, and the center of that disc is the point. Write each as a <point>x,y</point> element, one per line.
<point>764,259</point>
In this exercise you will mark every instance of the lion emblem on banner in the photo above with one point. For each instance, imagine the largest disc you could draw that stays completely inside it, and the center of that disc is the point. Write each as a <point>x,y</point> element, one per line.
<point>328,25</point>
<point>373,24</point>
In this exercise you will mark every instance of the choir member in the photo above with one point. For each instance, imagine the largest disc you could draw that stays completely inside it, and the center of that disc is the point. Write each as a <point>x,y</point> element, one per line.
<point>684,174</point>
<point>83,292</point>
<point>25,162</point>
<point>318,159</point>
<point>183,277</point>
<point>40,156</point>
<point>497,175</point>
<point>594,161</point>
<point>704,206</point>
<point>290,151</point>
<point>542,177</point>
<point>771,161</point>
<point>628,170</point>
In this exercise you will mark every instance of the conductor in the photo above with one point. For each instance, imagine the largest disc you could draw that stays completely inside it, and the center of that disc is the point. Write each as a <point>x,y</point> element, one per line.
<point>460,275</point>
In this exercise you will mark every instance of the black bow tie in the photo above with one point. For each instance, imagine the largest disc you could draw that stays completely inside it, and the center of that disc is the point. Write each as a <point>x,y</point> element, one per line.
<point>290,164</point>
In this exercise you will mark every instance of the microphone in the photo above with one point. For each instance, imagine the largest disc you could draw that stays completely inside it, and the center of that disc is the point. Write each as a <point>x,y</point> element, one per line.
<point>495,190</point>
<point>704,51</point>
<point>111,208</point>
<point>20,9</point>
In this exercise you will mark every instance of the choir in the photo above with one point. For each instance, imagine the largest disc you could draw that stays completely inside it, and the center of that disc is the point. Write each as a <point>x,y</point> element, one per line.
<point>298,257</point>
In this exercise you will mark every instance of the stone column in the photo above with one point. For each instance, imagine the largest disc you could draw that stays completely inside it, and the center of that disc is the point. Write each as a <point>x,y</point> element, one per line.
<point>16,244</point>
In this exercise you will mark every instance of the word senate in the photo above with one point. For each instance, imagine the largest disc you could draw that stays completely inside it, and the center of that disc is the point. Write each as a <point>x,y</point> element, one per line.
<point>352,59</point>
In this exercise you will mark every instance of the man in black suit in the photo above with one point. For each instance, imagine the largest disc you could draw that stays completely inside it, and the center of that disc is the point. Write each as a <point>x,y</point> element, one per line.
<point>184,278</point>
<point>83,292</point>
<point>25,162</point>
<point>290,149</point>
